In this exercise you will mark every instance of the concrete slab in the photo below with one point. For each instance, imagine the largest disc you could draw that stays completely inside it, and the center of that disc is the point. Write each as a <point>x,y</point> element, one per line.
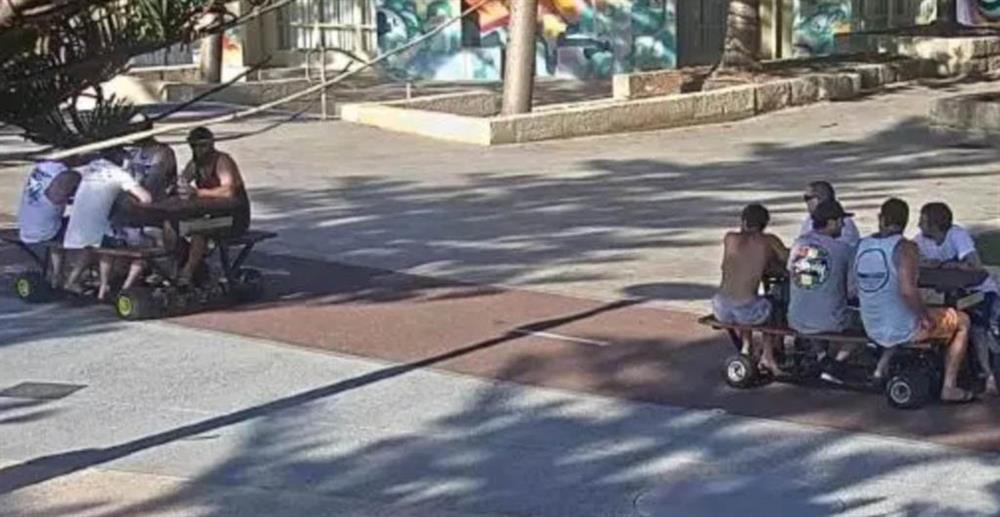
<point>302,433</point>
<point>599,218</point>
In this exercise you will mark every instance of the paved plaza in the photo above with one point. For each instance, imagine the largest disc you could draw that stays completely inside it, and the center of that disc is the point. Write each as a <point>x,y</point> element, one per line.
<point>462,331</point>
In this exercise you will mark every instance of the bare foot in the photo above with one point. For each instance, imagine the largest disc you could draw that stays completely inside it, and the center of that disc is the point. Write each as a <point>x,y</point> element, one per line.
<point>772,366</point>
<point>991,386</point>
<point>956,395</point>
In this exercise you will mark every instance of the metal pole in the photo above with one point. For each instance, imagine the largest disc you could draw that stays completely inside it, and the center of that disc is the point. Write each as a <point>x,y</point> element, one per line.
<point>322,80</point>
<point>519,76</point>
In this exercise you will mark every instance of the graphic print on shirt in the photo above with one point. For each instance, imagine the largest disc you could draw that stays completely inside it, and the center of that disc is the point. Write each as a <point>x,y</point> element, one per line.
<point>872,270</point>
<point>37,181</point>
<point>810,266</point>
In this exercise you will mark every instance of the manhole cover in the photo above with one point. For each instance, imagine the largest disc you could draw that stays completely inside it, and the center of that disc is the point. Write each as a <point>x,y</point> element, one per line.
<point>41,390</point>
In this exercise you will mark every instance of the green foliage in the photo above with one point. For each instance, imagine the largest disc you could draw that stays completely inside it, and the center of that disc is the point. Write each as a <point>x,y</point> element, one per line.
<point>46,64</point>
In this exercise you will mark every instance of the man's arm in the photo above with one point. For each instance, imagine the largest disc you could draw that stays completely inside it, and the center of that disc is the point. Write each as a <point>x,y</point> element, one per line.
<point>968,257</point>
<point>850,232</point>
<point>140,193</point>
<point>778,248</point>
<point>908,257</point>
<point>228,174</point>
<point>852,280</point>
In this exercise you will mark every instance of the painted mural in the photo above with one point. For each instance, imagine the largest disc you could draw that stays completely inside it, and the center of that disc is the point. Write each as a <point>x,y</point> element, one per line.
<point>817,22</point>
<point>580,39</point>
<point>979,13</point>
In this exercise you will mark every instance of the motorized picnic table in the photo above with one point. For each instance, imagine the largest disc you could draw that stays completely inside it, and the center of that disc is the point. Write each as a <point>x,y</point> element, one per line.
<point>161,294</point>
<point>914,371</point>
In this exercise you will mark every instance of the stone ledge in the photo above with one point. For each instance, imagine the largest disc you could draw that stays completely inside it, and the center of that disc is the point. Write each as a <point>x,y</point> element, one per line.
<point>979,113</point>
<point>609,116</point>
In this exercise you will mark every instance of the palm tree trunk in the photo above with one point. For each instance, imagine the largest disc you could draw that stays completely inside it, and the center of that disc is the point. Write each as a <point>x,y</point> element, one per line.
<point>742,36</point>
<point>519,66</point>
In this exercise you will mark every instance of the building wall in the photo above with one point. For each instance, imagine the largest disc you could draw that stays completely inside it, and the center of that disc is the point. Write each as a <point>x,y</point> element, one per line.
<point>816,25</point>
<point>576,38</point>
<point>979,13</point>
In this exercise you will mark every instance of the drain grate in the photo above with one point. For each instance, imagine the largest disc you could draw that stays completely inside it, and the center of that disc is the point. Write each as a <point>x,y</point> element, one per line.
<point>41,390</point>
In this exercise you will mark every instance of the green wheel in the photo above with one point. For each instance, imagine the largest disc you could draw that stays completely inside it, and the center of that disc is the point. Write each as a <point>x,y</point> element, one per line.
<point>32,287</point>
<point>137,303</point>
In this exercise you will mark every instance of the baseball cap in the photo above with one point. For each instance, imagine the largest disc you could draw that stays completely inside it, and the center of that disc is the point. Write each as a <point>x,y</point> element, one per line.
<point>829,209</point>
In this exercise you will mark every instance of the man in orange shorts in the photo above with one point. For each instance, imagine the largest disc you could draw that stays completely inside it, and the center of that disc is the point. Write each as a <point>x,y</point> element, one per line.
<point>886,268</point>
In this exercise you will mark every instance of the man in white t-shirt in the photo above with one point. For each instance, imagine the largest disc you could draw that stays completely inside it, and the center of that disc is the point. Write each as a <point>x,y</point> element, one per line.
<point>816,193</point>
<point>47,191</point>
<point>89,223</point>
<point>945,244</point>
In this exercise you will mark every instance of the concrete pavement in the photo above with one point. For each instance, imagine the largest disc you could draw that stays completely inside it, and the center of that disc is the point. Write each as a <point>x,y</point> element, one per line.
<point>600,218</point>
<point>174,421</point>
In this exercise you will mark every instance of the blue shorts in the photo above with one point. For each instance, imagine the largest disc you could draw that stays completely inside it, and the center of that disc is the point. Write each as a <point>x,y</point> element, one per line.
<point>753,312</point>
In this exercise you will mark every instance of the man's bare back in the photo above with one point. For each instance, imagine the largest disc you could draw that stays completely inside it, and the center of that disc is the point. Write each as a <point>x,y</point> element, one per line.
<point>746,257</point>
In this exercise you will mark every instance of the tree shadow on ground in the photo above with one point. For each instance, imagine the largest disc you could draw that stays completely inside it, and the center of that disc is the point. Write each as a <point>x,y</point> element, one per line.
<point>540,230</point>
<point>500,450</point>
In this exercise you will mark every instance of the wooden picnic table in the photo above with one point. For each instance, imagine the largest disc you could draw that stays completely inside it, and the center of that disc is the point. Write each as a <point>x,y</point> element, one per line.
<point>174,209</point>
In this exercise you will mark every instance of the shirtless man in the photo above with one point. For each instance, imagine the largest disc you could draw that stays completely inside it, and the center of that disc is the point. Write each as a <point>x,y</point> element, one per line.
<point>214,175</point>
<point>748,255</point>
<point>887,268</point>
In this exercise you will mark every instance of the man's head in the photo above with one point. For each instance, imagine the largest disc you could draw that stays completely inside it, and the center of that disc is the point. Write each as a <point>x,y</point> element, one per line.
<point>817,192</point>
<point>893,216</point>
<point>828,218</point>
<point>755,217</point>
<point>202,143</point>
<point>115,155</point>
<point>935,220</point>
<point>63,187</point>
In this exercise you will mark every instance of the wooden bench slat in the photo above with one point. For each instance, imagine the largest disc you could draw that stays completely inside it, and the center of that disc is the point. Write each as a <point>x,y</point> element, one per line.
<point>133,253</point>
<point>783,331</point>
<point>250,237</point>
<point>11,235</point>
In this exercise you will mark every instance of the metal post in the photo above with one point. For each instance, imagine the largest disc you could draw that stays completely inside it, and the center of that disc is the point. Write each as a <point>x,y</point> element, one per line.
<point>322,80</point>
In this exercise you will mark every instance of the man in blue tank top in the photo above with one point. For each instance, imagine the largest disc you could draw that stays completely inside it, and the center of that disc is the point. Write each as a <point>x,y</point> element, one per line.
<point>886,268</point>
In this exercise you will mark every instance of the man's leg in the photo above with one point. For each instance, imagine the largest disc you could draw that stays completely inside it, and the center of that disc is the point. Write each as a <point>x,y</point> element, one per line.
<point>83,258</point>
<point>134,271</point>
<point>104,268</point>
<point>198,246</point>
<point>57,261</point>
<point>953,326</point>
<point>767,359</point>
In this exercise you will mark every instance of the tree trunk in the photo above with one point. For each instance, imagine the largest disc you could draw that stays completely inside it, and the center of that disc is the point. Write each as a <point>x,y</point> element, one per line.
<point>947,15</point>
<point>742,36</point>
<point>519,69</point>
<point>211,54</point>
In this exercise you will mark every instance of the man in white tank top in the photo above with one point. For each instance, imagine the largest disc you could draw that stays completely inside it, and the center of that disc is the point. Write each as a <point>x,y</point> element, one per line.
<point>47,191</point>
<point>886,270</point>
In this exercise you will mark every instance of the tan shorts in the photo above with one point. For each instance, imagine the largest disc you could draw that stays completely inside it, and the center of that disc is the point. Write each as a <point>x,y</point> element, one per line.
<point>947,322</point>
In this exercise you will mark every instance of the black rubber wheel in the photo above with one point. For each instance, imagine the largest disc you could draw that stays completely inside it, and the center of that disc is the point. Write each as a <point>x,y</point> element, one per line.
<point>137,303</point>
<point>31,287</point>
<point>910,389</point>
<point>740,372</point>
<point>249,285</point>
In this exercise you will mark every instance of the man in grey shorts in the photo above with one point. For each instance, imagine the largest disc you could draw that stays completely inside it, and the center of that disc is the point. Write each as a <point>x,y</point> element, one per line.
<point>748,254</point>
